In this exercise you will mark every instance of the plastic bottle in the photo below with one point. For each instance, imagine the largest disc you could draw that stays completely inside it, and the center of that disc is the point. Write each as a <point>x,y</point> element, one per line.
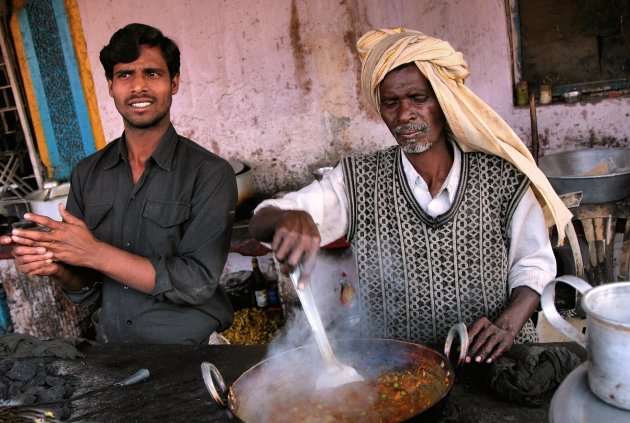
<point>259,285</point>
<point>348,294</point>
<point>5,318</point>
<point>522,96</point>
<point>545,95</point>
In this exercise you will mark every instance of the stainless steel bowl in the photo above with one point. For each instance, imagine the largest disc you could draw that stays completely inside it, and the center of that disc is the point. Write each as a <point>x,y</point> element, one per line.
<point>601,174</point>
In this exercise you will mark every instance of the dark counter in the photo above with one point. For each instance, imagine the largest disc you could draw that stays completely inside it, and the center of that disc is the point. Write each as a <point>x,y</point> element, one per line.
<point>175,390</point>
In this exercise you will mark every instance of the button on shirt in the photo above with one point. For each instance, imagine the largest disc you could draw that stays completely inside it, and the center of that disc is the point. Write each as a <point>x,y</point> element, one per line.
<point>179,215</point>
<point>531,261</point>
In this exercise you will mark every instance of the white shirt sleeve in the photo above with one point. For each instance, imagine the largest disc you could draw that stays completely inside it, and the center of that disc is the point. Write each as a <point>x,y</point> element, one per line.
<point>530,257</point>
<point>531,261</point>
<point>326,201</point>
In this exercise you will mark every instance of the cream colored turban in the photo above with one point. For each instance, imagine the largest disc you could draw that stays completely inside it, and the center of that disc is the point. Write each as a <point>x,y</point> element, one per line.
<point>475,126</point>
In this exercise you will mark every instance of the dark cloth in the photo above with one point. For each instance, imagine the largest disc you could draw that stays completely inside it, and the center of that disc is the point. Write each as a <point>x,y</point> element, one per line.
<point>526,372</point>
<point>29,376</point>
<point>419,275</point>
<point>179,215</point>
<point>16,345</point>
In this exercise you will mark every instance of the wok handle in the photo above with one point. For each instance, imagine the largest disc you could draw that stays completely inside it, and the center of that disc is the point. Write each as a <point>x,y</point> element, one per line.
<point>210,375</point>
<point>457,329</point>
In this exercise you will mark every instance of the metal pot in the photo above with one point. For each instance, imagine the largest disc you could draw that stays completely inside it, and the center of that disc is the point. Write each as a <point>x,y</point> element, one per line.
<point>607,336</point>
<point>244,180</point>
<point>272,383</point>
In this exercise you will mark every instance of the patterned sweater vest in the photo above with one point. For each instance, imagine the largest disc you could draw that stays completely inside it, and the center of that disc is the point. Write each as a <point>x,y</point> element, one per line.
<point>418,275</point>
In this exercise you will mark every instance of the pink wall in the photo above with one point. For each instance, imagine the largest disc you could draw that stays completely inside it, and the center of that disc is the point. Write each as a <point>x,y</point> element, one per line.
<point>275,83</point>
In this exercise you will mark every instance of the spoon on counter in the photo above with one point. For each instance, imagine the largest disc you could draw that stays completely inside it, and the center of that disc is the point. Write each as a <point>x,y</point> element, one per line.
<point>139,376</point>
<point>335,373</point>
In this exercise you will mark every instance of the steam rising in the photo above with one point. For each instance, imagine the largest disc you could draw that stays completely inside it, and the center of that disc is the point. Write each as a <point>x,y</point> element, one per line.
<point>293,363</point>
<point>293,358</point>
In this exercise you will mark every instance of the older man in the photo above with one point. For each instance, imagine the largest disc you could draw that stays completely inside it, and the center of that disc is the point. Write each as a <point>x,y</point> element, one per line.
<point>445,226</point>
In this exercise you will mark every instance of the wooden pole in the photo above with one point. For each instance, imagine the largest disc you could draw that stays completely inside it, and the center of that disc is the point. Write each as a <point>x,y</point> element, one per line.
<point>532,113</point>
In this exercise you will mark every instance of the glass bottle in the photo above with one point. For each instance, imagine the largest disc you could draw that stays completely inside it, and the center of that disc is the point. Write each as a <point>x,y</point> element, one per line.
<point>273,295</point>
<point>259,285</point>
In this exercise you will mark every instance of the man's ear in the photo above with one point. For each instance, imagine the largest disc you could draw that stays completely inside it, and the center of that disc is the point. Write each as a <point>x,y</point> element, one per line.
<point>175,84</point>
<point>109,87</point>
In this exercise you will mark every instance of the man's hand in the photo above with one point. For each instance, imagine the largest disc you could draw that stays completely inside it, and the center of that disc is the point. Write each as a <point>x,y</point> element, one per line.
<point>293,235</point>
<point>68,241</point>
<point>488,340</point>
<point>296,240</point>
<point>32,261</point>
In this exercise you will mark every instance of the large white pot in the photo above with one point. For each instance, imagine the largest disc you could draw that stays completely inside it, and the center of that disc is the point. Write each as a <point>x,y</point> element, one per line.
<point>244,180</point>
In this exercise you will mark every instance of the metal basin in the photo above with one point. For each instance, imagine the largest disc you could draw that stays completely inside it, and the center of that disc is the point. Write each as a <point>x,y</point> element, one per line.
<point>601,174</point>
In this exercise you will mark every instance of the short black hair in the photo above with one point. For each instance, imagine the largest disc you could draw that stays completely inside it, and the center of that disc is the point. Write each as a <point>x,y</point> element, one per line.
<point>124,47</point>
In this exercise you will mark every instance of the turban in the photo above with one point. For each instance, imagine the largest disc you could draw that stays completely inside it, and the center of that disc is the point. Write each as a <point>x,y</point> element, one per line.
<point>474,125</point>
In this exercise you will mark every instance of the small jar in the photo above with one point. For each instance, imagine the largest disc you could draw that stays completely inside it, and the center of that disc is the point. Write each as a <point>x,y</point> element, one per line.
<point>521,93</point>
<point>545,94</point>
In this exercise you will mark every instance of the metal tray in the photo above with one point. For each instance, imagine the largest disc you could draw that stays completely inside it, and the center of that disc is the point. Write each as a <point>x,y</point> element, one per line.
<point>573,402</point>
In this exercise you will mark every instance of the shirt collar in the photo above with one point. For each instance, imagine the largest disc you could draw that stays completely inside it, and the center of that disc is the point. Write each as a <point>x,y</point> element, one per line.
<point>163,154</point>
<point>451,183</point>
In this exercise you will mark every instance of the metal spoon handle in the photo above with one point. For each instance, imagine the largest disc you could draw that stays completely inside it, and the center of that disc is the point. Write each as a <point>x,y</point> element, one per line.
<point>138,376</point>
<point>305,296</point>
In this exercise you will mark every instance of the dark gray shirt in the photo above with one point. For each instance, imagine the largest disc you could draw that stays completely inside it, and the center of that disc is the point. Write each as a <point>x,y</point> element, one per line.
<point>179,215</point>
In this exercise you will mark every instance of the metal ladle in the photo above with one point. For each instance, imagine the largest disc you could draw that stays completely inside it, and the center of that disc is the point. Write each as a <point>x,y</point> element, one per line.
<point>335,372</point>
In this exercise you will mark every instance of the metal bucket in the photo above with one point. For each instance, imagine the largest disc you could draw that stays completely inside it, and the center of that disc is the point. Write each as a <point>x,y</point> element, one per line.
<point>607,338</point>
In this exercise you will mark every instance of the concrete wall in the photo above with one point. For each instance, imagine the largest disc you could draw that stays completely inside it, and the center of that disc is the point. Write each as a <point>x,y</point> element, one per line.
<point>274,83</point>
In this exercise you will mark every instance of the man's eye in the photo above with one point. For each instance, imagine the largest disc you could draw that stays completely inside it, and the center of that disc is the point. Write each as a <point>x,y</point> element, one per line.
<point>389,104</point>
<point>419,99</point>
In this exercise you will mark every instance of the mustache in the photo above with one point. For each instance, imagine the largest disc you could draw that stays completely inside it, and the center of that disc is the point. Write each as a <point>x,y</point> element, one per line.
<point>140,97</point>
<point>411,127</point>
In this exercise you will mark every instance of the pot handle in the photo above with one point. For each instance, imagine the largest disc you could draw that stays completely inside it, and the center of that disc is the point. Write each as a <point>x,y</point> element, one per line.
<point>551,313</point>
<point>210,375</point>
<point>459,329</point>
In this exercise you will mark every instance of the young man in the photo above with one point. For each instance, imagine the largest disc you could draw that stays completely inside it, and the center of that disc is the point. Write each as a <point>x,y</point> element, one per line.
<point>149,217</point>
<point>444,226</point>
